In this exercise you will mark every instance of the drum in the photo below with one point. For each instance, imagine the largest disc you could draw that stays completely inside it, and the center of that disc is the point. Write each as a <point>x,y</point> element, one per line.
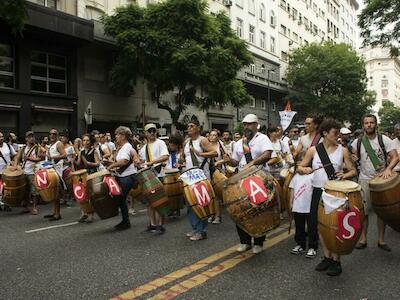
<point>328,223</point>
<point>14,186</point>
<point>80,176</point>
<point>198,193</point>
<point>153,191</point>
<point>385,198</point>
<point>250,200</point>
<point>174,188</point>
<point>67,176</point>
<point>47,183</point>
<point>218,183</point>
<point>103,204</point>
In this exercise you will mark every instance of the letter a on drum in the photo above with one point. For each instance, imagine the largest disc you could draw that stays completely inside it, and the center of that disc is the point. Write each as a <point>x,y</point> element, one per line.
<point>255,189</point>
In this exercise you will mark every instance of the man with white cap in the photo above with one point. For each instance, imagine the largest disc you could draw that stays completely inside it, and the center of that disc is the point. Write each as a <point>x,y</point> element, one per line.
<point>154,154</point>
<point>254,148</point>
<point>345,138</point>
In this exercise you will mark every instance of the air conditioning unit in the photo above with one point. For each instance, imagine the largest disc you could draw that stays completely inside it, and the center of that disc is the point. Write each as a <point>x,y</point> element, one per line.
<point>227,3</point>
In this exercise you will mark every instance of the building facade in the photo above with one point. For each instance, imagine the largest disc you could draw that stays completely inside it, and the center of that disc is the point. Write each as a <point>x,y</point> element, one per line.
<point>383,73</point>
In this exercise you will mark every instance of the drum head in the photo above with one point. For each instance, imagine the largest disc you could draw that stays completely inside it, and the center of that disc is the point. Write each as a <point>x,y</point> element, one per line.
<point>345,186</point>
<point>143,170</point>
<point>98,174</point>
<point>380,184</point>
<point>9,172</point>
<point>79,172</point>
<point>171,171</point>
<point>284,173</point>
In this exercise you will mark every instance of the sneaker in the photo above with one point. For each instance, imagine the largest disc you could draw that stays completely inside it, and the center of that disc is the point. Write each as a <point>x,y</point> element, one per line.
<point>123,225</point>
<point>198,237</point>
<point>257,249</point>
<point>190,234</point>
<point>243,248</point>
<point>297,250</point>
<point>159,230</point>
<point>82,219</point>
<point>150,229</point>
<point>132,211</point>
<point>324,264</point>
<point>210,219</point>
<point>311,253</point>
<point>334,269</point>
<point>217,220</point>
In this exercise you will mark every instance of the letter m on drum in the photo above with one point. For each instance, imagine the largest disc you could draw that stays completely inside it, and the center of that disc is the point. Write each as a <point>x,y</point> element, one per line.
<point>255,189</point>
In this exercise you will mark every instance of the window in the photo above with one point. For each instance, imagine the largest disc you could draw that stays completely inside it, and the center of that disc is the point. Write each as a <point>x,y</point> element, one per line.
<point>263,104</point>
<point>283,29</point>
<point>283,4</point>
<point>262,39</point>
<point>239,27</point>
<point>262,12</point>
<point>48,3</point>
<point>239,3</point>
<point>252,102</point>
<point>385,94</point>
<point>7,74</point>
<point>272,19</point>
<point>252,7</point>
<point>384,83</point>
<point>294,13</point>
<point>251,33</point>
<point>272,44</point>
<point>273,106</point>
<point>295,37</point>
<point>284,56</point>
<point>48,73</point>
<point>252,68</point>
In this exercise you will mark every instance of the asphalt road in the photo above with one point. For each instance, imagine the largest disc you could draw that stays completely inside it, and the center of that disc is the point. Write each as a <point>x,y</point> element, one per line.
<point>92,261</point>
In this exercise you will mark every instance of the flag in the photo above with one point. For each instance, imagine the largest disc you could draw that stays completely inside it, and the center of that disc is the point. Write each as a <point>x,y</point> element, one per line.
<point>287,116</point>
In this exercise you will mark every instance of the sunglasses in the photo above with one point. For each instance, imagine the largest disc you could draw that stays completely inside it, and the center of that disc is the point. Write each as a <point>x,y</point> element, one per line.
<point>53,133</point>
<point>191,126</point>
<point>152,130</point>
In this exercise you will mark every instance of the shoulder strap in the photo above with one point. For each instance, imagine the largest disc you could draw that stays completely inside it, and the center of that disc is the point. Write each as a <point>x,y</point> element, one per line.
<point>193,156</point>
<point>359,140</point>
<point>316,140</point>
<point>382,145</point>
<point>148,153</point>
<point>246,151</point>
<point>371,153</point>
<point>34,147</point>
<point>326,162</point>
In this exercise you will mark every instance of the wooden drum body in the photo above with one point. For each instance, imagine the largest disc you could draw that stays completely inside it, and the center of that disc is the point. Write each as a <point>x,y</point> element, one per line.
<point>80,176</point>
<point>103,204</point>
<point>14,186</point>
<point>218,183</point>
<point>153,191</point>
<point>385,198</point>
<point>199,193</point>
<point>48,185</point>
<point>250,200</point>
<point>352,211</point>
<point>174,188</point>
<point>285,194</point>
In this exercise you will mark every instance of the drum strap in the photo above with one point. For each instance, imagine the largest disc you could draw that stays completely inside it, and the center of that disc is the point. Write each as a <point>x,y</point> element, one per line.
<point>246,151</point>
<point>371,153</point>
<point>316,140</point>
<point>326,162</point>
<point>35,147</point>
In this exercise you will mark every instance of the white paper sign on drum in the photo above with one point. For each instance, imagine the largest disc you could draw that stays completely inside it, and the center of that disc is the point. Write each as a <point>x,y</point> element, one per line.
<point>193,176</point>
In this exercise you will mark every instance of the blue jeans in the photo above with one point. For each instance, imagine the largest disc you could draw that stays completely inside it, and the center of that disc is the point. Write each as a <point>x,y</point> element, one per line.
<point>126,184</point>
<point>198,226</point>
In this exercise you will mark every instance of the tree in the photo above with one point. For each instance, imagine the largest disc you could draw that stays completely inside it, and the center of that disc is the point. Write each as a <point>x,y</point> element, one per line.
<point>380,24</point>
<point>330,79</point>
<point>389,115</point>
<point>13,13</point>
<point>177,46</point>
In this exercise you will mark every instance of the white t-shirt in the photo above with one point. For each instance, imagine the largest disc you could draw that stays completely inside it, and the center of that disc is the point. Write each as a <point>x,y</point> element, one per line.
<point>302,192</point>
<point>29,168</point>
<point>396,145</point>
<point>169,162</point>
<point>126,152</point>
<point>5,150</point>
<point>258,145</point>
<point>367,170</point>
<point>306,141</point>
<point>111,145</point>
<point>157,149</point>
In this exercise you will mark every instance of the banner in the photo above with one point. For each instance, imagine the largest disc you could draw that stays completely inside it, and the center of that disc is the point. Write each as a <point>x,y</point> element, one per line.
<point>287,116</point>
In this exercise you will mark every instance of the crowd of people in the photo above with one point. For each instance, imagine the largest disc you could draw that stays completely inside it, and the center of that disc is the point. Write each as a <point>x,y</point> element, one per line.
<point>299,148</point>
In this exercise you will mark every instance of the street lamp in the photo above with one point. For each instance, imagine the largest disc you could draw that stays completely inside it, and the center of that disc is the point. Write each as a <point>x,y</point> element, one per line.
<point>269,95</point>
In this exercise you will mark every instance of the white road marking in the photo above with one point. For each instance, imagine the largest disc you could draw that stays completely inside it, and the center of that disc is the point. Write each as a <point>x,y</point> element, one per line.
<point>51,227</point>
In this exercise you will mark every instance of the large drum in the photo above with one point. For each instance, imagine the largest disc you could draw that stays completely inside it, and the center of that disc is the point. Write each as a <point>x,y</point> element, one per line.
<point>153,191</point>
<point>250,200</point>
<point>14,186</point>
<point>77,177</point>
<point>174,188</point>
<point>340,228</point>
<point>47,183</point>
<point>198,192</point>
<point>103,204</point>
<point>385,198</point>
<point>218,179</point>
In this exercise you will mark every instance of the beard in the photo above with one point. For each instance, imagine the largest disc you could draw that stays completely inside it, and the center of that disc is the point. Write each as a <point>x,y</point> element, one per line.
<point>249,134</point>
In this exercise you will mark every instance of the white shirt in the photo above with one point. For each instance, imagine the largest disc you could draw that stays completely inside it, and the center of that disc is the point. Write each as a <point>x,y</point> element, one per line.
<point>367,170</point>
<point>396,145</point>
<point>306,141</point>
<point>29,168</point>
<point>188,157</point>
<point>5,150</point>
<point>126,152</point>
<point>258,145</point>
<point>111,145</point>
<point>229,147</point>
<point>157,149</point>
<point>319,176</point>
<point>302,192</point>
<point>169,162</point>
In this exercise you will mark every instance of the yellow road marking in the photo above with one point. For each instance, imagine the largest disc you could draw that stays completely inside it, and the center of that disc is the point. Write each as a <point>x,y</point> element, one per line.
<point>197,280</point>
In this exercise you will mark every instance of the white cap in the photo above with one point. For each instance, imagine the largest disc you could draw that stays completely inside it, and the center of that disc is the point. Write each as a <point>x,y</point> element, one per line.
<point>250,118</point>
<point>345,130</point>
<point>149,126</point>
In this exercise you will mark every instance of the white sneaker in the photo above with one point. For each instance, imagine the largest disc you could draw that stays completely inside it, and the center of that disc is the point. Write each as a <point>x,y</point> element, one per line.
<point>132,211</point>
<point>243,248</point>
<point>190,234</point>
<point>257,249</point>
<point>217,220</point>
<point>297,250</point>
<point>311,253</point>
<point>210,219</point>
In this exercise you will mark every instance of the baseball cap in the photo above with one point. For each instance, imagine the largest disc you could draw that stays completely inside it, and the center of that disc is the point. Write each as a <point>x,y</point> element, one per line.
<point>345,130</point>
<point>149,126</point>
<point>250,118</point>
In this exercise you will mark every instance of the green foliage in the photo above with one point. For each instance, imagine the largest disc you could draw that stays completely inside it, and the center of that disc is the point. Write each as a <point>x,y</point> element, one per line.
<point>239,128</point>
<point>389,115</point>
<point>177,46</point>
<point>13,13</point>
<point>330,79</point>
<point>380,24</point>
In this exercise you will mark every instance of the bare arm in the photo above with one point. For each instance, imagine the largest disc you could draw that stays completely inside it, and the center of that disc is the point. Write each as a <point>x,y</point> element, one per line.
<point>303,167</point>
<point>209,151</point>
<point>393,160</point>
<point>262,159</point>
<point>61,150</point>
<point>348,162</point>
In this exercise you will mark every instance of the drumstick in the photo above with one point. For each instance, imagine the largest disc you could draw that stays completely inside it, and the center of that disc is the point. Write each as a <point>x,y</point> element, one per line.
<point>320,167</point>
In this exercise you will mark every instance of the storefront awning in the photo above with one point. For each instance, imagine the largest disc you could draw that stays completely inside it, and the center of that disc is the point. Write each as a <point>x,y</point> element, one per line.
<point>53,109</point>
<point>9,107</point>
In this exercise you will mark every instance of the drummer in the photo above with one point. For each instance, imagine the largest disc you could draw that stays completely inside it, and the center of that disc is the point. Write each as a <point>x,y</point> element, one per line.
<point>198,151</point>
<point>396,144</point>
<point>276,162</point>
<point>385,156</point>
<point>254,148</point>
<point>125,160</point>
<point>329,130</point>
<point>154,154</point>
<point>28,156</point>
<point>7,153</point>
<point>312,137</point>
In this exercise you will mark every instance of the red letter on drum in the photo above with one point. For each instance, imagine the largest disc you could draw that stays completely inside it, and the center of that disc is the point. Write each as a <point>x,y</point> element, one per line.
<point>42,179</point>
<point>201,193</point>
<point>255,189</point>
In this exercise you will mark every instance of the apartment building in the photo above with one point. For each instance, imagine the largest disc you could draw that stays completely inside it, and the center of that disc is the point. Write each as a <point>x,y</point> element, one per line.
<point>383,73</point>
